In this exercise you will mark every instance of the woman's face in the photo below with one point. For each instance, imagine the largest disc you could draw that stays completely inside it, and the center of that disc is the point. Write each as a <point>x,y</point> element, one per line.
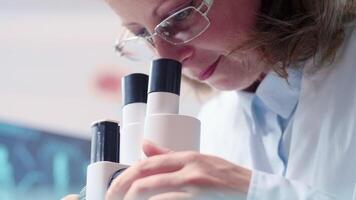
<point>209,58</point>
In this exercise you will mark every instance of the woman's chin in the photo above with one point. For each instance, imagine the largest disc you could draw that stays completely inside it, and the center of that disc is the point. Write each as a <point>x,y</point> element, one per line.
<point>224,85</point>
<point>228,85</point>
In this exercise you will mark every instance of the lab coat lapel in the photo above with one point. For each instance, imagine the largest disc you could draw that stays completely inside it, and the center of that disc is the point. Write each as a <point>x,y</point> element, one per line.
<point>323,146</point>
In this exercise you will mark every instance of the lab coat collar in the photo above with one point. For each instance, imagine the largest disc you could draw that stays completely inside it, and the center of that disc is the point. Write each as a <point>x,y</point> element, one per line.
<point>281,95</point>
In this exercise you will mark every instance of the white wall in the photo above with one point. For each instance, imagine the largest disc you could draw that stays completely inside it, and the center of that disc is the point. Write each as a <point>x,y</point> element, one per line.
<point>51,54</point>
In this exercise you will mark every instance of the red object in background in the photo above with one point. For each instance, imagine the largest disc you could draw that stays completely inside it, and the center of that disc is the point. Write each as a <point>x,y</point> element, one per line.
<point>109,83</point>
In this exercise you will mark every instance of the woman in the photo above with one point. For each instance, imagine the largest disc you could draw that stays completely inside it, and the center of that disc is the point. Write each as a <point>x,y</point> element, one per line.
<point>286,129</point>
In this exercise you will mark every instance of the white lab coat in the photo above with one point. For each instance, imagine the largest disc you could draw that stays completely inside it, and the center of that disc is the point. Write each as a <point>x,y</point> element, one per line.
<point>322,145</point>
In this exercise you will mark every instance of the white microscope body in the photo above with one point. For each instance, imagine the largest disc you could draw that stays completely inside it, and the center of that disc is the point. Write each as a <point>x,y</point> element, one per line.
<point>164,125</point>
<point>134,88</point>
<point>104,159</point>
<point>158,121</point>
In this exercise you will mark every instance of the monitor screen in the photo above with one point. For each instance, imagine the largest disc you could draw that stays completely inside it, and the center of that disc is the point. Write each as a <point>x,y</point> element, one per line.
<point>41,165</point>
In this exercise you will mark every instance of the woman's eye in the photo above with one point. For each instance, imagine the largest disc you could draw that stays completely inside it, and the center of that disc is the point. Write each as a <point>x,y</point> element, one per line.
<point>142,33</point>
<point>185,13</point>
<point>182,15</point>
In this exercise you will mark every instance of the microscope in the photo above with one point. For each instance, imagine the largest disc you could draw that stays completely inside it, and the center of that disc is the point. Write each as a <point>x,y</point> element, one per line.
<point>150,111</point>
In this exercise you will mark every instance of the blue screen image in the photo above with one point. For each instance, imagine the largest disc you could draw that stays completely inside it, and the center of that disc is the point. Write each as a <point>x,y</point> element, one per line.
<point>41,165</point>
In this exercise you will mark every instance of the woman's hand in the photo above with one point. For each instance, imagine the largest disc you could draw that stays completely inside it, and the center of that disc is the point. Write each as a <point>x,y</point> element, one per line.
<point>71,197</point>
<point>167,175</point>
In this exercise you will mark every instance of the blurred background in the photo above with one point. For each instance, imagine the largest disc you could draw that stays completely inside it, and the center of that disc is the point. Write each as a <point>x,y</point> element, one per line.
<point>59,73</point>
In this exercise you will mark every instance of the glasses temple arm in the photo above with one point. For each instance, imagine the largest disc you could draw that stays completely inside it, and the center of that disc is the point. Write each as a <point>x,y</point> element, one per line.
<point>207,3</point>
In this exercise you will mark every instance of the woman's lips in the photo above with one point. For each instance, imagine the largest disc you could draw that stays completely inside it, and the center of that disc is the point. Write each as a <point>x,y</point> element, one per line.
<point>205,74</point>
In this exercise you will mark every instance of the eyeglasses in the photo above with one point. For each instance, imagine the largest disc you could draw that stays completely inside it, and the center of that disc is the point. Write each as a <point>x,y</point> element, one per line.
<point>181,27</point>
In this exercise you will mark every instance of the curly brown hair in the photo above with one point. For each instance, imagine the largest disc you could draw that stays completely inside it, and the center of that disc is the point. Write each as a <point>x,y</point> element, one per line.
<point>288,32</point>
<point>291,31</point>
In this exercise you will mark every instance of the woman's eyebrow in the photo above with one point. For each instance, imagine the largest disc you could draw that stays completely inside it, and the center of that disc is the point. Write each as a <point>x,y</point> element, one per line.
<point>129,24</point>
<point>166,6</point>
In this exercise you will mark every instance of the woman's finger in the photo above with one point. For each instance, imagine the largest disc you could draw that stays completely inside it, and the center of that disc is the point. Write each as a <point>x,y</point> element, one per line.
<point>173,196</point>
<point>164,163</point>
<point>153,185</point>
<point>71,197</point>
<point>151,149</point>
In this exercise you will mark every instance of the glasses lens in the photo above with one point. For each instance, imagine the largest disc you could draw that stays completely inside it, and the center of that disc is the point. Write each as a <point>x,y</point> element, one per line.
<point>137,49</point>
<point>183,26</point>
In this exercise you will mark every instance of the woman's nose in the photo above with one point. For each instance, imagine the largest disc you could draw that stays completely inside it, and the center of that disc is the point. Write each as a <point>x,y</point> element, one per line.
<point>180,53</point>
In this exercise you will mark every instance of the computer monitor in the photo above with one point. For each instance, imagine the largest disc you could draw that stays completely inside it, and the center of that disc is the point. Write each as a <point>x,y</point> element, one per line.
<point>38,164</point>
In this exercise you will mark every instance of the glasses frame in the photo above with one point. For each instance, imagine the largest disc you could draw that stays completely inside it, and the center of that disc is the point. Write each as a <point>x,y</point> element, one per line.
<point>203,9</point>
